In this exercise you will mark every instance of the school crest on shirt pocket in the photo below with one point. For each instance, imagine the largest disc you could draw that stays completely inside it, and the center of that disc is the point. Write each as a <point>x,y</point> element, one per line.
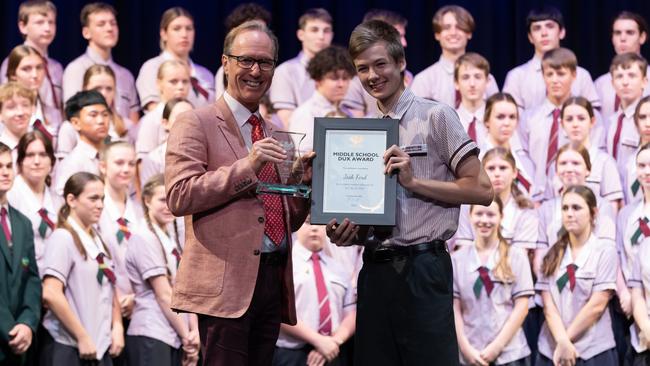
<point>24,264</point>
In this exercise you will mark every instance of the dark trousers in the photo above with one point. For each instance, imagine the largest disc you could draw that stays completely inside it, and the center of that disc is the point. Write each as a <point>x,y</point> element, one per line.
<point>146,351</point>
<point>638,359</point>
<point>56,354</point>
<point>606,358</point>
<point>250,339</point>
<point>532,326</point>
<point>405,312</point>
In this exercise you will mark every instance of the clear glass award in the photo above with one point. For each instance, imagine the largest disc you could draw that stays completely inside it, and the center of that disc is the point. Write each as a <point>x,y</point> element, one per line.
<point>290,171</point>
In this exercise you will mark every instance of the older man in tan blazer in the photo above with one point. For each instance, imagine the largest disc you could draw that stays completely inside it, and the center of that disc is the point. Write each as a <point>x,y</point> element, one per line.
<point>235,271</point>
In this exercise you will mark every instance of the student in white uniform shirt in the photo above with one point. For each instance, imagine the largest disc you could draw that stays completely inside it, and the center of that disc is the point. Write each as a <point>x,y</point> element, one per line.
<point>520,224</point>
<point>629,80</point>
<point>326,315</point>
<point>525,82</point>
<point>121,216</point>
<point>492,287</point>
<point>331,69</point>
<point>629,33</point>
<point>154,161</point>
<point>27,67</point>
<point>240,14</point>
<point>90,116</point>
<point>176,42</point>
<point>83,320</point>
<point>631,185</point>
<point>173,81</point>
<point>16,106</point>
<point>578,278</point>
<point>453,27</point>
<point>102,79</point>
<point>501,121</point>
<point>31,193</point>
<point>639,284</point>
<point>157,335</point>
<point>291,85</point>
<point>578,120</point>
<point>471,73</point>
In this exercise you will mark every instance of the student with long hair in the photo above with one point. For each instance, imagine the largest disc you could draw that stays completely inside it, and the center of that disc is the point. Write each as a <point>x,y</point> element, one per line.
<point>83,320</point>
<point>156,334</point>
<point>31,193</point>
<point>121,215</point>
<point>176,42</point>
<point>631,184</point>
<point>519,225</point>
<point>27,67</point>
<point>492,286</point>
<point>578,277</point>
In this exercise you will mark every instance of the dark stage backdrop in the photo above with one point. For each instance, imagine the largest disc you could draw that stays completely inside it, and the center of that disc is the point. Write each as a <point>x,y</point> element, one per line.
<point>500,35</point>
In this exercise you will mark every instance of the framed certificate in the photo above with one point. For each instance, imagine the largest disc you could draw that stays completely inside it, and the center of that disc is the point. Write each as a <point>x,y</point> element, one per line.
<point>348,178</point>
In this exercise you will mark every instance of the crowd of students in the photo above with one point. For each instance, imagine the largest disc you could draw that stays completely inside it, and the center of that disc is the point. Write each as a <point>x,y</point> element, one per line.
<point>552,270</point>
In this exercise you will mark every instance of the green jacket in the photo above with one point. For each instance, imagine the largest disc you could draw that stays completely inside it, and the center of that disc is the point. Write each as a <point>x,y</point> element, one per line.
<point>20,285</point>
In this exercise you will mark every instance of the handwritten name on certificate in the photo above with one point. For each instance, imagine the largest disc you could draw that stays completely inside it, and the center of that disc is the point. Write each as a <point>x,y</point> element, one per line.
<point>354,171</point>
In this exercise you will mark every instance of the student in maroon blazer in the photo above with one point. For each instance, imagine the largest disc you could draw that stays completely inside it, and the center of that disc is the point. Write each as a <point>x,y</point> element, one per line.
<point>235,271</point>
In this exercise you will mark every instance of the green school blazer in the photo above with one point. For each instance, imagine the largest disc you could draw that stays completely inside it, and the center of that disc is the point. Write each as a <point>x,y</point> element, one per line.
<point>20,285</point>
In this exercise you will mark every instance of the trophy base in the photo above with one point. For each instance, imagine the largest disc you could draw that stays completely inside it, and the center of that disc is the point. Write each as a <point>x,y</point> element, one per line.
<point>300,191</point>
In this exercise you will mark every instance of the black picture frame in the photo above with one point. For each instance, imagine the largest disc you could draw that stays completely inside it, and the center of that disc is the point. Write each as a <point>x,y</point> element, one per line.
<point>321,126</point>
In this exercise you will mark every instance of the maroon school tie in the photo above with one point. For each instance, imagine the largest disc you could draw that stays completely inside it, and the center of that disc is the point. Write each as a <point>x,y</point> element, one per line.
<point>617,134</point>
<point>553,139</point>
<point>5,226</point>
<point>40,127</point>
<point>273,210</point>
<point>176,255</point>
<point>471,129</point>
<point>457,99</point>
<point>524,182</point>
<point>198,89</point>
<point>617,103</point>
<point>324,311</point>
<point>49,78</point>
<point>569,276</point>
<point>45,223</point>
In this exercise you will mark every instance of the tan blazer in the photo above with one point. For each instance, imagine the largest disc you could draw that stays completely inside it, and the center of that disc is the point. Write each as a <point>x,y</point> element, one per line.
<point>210,181</point>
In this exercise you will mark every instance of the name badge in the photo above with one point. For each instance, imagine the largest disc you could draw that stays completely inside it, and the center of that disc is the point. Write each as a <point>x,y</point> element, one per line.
<point>414,150</point>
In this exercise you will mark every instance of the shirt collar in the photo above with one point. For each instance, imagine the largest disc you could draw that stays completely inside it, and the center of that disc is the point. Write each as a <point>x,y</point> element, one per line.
<point>629,111</point>
<point>303,59</point>
<point>305,254</point>
<point>402,105</point>
<point>535,63</point>
<point>585,253</point>
<point>241,113</point>
<point>447,65</point>
<point>29,197</point>
<point>548,107</point>
<point>90,243</point>
<point>322,104</point>
<point>479,114</point>
<point>166,241</point>
<point>87,150</point>
<point>113,213</point>
<point>96,58</point>
<point>7,139</point>
<point>475,262</point>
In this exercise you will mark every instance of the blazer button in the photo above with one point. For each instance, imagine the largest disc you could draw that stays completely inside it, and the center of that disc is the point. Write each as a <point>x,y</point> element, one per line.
<point>256,252</point>
<point>260,219</point>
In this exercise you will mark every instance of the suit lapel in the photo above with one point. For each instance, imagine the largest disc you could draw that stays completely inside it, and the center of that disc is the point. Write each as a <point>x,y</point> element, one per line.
<point>231,130</point>
<point>16,237</point>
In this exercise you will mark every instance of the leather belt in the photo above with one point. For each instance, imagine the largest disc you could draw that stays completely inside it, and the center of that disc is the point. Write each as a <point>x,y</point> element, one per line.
<point>381,254</point>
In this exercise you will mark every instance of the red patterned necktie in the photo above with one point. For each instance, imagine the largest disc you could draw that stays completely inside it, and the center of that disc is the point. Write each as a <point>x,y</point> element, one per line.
<point>617,134</point>
<point>122,230</point>
<point>5,226</point>
<point>40,127</point>
<point>324,312</point>
<point>176,255</point>
<point>553,139</point>
<point>198,89</point>
<point>273,210</point>
<point>524,182</point>
<point>104,270</point>
<point>45,223</point>
<point>457,99</point>
<point>49,78</point>
<point>471,129</point>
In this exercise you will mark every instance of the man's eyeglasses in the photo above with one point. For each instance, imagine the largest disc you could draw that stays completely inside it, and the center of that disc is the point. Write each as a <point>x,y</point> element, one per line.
<point>246,62</point>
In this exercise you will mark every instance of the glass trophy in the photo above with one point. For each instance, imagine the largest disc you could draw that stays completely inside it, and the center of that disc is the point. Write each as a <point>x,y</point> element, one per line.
<point>290,171</point>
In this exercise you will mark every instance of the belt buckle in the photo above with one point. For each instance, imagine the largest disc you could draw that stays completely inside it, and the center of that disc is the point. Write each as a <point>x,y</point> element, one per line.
<point>383,254</point>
